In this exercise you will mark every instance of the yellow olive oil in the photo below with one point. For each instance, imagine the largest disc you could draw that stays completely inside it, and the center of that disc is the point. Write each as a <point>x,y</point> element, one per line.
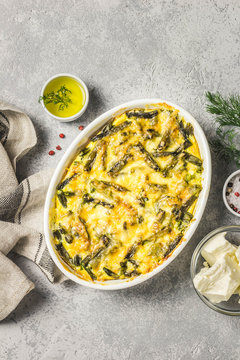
<point>76,94</point>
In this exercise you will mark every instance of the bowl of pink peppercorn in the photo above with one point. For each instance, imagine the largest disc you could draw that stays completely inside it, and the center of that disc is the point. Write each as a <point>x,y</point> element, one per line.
<point>231,193</point>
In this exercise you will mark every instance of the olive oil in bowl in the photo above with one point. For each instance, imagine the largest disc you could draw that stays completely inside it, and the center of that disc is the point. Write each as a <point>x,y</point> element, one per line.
<point>64,97</point>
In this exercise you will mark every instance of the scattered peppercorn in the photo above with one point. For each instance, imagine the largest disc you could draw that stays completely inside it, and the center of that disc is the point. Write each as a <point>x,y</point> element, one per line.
<point>81,127</point>
<point>51,152</point>
<point>227,193</point>
<point>61,136</point>
<point>235,209</point>
<point>231,206</point>
<point>237,194</point>
<point>230,184</point>
<point>58,147</point>
<point>238,212</point>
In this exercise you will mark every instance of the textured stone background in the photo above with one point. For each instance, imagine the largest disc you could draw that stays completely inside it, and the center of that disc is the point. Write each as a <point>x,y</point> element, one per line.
<point>123,50</point>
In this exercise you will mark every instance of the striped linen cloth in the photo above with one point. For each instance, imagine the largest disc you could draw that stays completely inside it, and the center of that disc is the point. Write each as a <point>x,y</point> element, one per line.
<point>21,211</point>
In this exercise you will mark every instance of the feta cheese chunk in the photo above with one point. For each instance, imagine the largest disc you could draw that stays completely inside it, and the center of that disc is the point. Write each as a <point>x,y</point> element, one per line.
<point>237,254</point>
<point>221,280</point>
<point>216,248</point>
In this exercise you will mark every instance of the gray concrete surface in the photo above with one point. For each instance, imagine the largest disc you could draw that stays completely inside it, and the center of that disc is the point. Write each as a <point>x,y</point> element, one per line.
<point>123,50</point>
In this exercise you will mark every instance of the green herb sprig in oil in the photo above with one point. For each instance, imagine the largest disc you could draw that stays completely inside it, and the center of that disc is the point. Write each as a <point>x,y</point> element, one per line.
<point>227,112</point>
<point>61,97</point>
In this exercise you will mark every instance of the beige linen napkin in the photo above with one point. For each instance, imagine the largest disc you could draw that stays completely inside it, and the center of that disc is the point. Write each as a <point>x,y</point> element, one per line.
<point>21,210</point>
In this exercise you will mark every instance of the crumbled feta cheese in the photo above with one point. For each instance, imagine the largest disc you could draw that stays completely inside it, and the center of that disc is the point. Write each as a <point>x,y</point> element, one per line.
<point>222,279</point>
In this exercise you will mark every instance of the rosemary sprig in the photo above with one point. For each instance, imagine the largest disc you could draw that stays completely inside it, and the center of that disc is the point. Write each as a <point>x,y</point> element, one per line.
<point>227,111</point>
<point>61,97</point>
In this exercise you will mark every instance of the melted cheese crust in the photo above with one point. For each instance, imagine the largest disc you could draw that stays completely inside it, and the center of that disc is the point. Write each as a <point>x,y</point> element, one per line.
<point>128,197</point>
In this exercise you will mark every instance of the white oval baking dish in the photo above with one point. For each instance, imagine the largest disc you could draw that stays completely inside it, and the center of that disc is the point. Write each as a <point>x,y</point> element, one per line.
<point>82,139</point>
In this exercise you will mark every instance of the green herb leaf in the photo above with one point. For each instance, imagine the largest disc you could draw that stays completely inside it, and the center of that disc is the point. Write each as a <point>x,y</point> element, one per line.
<point>61,97</point>
<point>227,111</point>
<point>224,145</point>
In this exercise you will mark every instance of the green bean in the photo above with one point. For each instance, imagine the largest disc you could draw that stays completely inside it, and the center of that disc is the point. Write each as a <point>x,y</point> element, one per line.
<point>66,181</point>
<point>187,217</point>
<point>104,204</point>
<point>62,198</point>
<point>173,245</point>
<point>133,262</point>
<point>169,167</point>
<point>68,193</point>
<point>63,252</point>
<point>179,212</point>
<point>187,144</point>
<point>88,199</point>
<point>165,141</point>
<point>104,155</point>
<point>91,159</point>
<point>132,250</point>
<point>142,114</point>
<point>103,185</point>
<point>61,229</point>
<point>105,239</point>
<point>84,152</point>
<point>110,273</point>
<point>106,242</point>
<point>158,187</point>
<point>86,260</point>
<point>185,131</point>
<point>140,219</point>
<point>90,273</point>
<point>176,152</point>
<point>110,130</point>
<point>119,165</point>
<point>147,157</point>
<point>84,226</point>
<point>69,238</point>
<point>106,128</point>
<point>57,234</point>
<point>123,266</point>
<point>142,200</point>
<point>161,215</point>
<point>190,201</point>
<point>150,134</point>
<point>193,159</point>
<point>162,153</point>
<point>77,260</point>
<point>132,273</point>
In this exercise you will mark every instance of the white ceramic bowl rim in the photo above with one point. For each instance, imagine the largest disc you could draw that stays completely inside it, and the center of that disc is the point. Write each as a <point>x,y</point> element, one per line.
<point>231,176</point>
<point>82,139</point>
<point>79,113</point>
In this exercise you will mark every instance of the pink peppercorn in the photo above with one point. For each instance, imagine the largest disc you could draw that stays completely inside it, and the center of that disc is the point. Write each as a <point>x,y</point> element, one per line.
<point>81,127</point>
<point>237,194</point>
<point>51,152</point>
<point>58,147</point>
<point>61,136</point>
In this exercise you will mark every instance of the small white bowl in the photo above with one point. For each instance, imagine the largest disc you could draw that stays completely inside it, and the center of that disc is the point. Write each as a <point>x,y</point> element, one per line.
<point>78,114</point>
<point>225,190</point>
<point>69,155</point>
